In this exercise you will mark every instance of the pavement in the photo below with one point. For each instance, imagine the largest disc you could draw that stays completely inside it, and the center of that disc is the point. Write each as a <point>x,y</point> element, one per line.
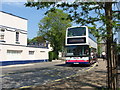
<point>93,78</point>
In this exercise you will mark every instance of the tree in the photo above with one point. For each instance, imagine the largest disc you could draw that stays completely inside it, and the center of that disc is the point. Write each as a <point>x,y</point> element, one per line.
<point>52,27</point>
<point>83,16</point>
<point>103,13</point>
<point>38,39</point>
<point>28,40</point>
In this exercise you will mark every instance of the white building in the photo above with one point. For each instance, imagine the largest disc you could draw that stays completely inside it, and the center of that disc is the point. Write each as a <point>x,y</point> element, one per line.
<point>13,42</point>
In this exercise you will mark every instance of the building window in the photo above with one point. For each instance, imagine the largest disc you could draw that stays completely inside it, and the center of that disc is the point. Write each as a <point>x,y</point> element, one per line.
<point>42,51</point>
<point>2,32</point>
<point>17,36</point>
<point>1,37</point>
<point>14,51</point>
<point>31,52</point>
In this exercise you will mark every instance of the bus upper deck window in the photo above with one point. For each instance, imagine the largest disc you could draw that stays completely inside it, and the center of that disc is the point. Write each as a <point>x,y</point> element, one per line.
<point>78,31</point>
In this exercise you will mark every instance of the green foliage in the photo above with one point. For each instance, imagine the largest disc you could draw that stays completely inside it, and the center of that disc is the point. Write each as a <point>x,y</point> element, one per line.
<point>86,13</point>
<point>28,40</point>
<point>83,13</point>
<point>53,26</point>
<point>38,39</point>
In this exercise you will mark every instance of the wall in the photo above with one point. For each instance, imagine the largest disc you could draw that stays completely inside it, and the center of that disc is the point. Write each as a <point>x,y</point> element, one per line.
<point>13,24</point>
<point>13,21</point>
<point>22,54</point>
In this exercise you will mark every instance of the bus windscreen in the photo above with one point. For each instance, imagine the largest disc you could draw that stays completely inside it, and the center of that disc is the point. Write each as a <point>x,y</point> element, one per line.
<point>74,51</point>
<point>77,31</point>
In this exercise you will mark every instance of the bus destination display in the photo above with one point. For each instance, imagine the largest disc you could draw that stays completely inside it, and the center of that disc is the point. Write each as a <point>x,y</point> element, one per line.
<point>76,40</point>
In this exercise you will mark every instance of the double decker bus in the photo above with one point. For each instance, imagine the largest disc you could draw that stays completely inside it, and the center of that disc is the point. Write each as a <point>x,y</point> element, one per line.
<point>80,46</point>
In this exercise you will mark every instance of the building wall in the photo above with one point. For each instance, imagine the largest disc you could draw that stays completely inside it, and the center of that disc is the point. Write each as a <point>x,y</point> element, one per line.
<point>12,24</point>
<point>13,21</point>
<point>15,50</point>
<point>22,54</point>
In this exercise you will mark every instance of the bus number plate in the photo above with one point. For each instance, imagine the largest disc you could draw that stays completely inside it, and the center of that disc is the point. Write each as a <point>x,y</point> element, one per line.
<point>76,63</point>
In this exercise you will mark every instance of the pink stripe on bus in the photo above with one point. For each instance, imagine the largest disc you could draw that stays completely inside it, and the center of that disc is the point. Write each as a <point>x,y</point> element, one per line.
<point>77,61</point>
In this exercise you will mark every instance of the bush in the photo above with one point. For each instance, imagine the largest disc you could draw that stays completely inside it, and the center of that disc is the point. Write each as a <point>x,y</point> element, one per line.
<point>52,56</point>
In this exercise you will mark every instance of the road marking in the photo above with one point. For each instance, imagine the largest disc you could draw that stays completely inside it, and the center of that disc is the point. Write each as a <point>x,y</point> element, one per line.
<point>67,77</point>
<point>57,80</point>
<point>92,67</point>
<point>3,75</point>
<point>25,87</point>
<point>76,74</point>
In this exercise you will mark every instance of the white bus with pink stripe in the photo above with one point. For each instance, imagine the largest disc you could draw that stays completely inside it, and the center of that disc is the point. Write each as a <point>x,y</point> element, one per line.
<point>80,46</point>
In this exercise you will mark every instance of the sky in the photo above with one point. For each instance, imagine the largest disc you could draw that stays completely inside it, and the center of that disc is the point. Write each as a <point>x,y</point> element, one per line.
<point>32,14</point>
<point>17,7</point>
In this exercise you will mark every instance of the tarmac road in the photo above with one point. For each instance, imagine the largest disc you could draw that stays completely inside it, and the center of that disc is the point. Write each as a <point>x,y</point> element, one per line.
<point>17,76</point>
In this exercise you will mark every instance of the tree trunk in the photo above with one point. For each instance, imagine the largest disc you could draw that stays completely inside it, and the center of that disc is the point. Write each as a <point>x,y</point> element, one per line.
<point>108,14</point>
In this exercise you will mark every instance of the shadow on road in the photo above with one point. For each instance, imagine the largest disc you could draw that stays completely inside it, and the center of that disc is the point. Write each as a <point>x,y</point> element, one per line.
<point>73,65</point>
<point>101,71</point>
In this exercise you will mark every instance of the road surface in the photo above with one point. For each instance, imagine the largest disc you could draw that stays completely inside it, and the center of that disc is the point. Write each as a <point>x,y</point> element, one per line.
<point>16,76</point>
